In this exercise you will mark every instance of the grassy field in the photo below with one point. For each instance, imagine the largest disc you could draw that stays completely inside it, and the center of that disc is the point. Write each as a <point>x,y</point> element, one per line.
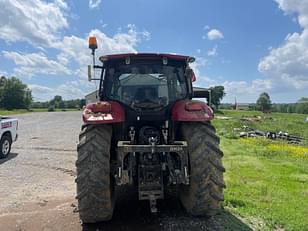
<point>13,112</point>
<point>22,111</point>
<point>267,181</point>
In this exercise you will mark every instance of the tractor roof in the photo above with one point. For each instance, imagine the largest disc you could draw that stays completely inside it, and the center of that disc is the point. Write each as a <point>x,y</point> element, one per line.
<point>176,57</point>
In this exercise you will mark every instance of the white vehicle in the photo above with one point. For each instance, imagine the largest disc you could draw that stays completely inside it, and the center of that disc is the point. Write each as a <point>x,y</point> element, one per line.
<point>8,134</point>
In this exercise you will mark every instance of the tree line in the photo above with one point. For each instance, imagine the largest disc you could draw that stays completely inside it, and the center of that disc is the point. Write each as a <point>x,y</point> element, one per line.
<point>58,103</point>
<point>264,104</point>
<point>14,94</point>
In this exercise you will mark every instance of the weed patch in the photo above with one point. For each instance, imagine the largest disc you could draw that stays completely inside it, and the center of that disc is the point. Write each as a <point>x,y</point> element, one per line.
<point>266,180</point>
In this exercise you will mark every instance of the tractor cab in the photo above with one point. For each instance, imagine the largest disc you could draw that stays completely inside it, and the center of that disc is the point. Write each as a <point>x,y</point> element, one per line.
<point>145,82</point>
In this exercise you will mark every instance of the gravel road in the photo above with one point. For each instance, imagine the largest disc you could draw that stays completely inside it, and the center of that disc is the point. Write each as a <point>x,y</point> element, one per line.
<point>37,187</point>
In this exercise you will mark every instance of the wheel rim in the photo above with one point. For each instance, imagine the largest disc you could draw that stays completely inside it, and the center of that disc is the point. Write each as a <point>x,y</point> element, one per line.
<point>5,147</point>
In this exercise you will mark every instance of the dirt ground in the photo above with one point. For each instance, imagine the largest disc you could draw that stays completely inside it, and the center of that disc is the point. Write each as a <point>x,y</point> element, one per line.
<point>37,188</point>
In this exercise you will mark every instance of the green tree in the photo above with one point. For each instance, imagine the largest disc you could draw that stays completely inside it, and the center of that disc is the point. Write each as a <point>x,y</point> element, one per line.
<point>2,84</point>
<point>62,105</point>
<point>217,94</point>
<point>303,100</point>
<point>302,108</point>
<point>2,81</point>
<point>56,101</point>
<point>291,108</point>
<point>14,94</point>
<point>28,98</point>
<point>82,103</point>
<point>264,102</point>
<point>302,105</point>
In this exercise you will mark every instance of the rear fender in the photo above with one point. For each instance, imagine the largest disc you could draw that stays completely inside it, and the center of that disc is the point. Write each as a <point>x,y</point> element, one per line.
<point>191,110</point>
<point>103,112</point>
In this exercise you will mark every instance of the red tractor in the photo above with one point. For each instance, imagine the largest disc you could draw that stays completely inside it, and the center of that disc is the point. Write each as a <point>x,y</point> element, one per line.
<point>146,131</point>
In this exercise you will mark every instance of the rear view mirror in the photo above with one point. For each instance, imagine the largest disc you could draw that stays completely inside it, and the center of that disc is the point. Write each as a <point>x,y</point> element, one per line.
<point>89,73</point>
<point>190,74</point>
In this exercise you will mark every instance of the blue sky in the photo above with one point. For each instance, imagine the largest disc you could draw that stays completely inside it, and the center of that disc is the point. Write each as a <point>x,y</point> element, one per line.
<point>247,46</point>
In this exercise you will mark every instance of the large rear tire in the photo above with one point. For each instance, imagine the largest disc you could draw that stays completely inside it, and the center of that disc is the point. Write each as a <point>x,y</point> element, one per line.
<point>95,186</point>
<point>204,195</point>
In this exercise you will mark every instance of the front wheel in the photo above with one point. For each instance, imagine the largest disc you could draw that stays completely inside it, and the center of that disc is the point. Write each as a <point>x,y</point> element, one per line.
<point>5,146</point>
<point>204,195</point>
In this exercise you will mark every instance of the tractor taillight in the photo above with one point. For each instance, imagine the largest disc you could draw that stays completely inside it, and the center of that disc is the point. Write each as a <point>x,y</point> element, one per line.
<point>102,107</point>
<point>98,109</point>
<point>87,111</point>
<point>103,112</point>
<point>192,106</point>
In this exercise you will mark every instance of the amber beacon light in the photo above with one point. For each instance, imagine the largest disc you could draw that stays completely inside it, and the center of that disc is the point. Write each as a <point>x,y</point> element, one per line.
<point>92,43</point>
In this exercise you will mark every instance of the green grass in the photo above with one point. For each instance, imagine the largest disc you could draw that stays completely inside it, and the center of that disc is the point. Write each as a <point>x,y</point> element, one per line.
<point>13,112</point>
<point>23,111</point>
<point>267,185</point>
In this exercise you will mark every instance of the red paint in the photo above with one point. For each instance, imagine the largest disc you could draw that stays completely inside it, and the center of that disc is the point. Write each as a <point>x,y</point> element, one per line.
<point>147,56</point>
<point>103,112</point>
<point>191,110</point>
<point>193,77</point>
<point>6,125</point>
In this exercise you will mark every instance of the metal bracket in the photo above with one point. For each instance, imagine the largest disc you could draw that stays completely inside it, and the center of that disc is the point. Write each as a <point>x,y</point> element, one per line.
<point>179,147</point>
<point>153,204</point>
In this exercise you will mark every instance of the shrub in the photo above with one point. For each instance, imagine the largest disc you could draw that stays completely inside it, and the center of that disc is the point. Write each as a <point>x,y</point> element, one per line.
<point>51,108</point>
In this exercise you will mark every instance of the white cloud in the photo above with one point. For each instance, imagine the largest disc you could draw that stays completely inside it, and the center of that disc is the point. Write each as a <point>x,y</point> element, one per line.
<point>243,87</point>
<point>94,3</point>
<point>213,51</point>
<point>33,21</point>
<point>68,90</point>
<point>215,34</point>
<point>71,90</point>
<point>287,65</point>
<point>35,63</point>
<point>76,48</point>
<point>239,87</point>
<point>42,24</point>
<point>244,91</point>
<point>38,89</point>
<point>200,62</point>
<point>296,6</point>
